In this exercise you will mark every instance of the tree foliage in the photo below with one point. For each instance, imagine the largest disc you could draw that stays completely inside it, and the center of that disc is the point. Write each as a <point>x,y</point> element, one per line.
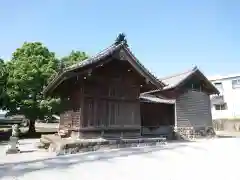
<point>73,58</point>
<point>3,81</point>
<point>23,78</point>
<point>28,71</point>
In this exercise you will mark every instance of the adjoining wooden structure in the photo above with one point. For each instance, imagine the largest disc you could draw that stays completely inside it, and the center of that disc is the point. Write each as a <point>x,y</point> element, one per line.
<point>101,94</point>
<point>157,115</point>
<point>191,91</point>
<point>113,95</point>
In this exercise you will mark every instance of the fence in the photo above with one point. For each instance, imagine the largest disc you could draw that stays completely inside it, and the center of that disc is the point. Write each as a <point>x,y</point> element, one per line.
<point>227,125</point>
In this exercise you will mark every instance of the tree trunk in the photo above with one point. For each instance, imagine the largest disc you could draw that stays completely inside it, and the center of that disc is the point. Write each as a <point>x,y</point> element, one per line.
<point>32,128</point>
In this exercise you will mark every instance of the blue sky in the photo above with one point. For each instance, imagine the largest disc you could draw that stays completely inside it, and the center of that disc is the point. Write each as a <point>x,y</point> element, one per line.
<point>167,36</point>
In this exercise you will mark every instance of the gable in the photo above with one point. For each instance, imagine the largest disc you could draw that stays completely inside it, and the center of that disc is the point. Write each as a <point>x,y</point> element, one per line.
<point>120,51</point>
<point>178,81</point>
<point>188,78</point>
<point>126,54</point>
<point>174,80</point>
<point>197,80</point>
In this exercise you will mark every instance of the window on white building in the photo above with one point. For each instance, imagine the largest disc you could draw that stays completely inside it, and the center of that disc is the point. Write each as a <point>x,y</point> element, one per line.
<point>220,107</point>
<point>236,83</point>
<point>219,86</point>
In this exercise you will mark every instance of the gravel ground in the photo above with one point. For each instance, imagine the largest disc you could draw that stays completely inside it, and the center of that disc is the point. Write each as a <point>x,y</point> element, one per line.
<point>205,159</point>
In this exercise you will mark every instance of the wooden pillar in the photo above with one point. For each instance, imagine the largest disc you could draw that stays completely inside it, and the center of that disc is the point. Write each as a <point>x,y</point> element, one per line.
<point>175,115</point>
<point>82,107</point>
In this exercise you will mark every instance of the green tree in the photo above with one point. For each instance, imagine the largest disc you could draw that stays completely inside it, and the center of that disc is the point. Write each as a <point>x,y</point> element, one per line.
<point>28,72</point>
<point>73,58</point>
<point>3,80</point>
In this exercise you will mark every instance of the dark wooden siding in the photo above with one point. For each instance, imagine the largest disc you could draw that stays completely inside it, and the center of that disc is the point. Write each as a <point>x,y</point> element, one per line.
<point>110,104</point>
<point>157,119</point>
<point>157,114</point>
<point>70,118</point>
<point>107,113</point>
<point>105,101</point>
<point>65,120</point>
<point>194,110</point>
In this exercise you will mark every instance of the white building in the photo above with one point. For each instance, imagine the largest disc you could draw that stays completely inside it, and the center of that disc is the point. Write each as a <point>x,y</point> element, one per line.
<point>227,104</point>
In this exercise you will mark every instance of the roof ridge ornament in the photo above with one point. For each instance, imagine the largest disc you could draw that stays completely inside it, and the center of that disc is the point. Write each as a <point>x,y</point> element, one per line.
<point>121,39</point>
<point>195,68</point>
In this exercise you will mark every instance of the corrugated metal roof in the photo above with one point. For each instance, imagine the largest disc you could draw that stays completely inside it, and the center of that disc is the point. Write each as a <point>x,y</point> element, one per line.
<point>154,99</point>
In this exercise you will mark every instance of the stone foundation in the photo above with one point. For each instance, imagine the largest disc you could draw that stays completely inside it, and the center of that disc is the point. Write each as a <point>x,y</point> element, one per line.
<point>109,133</point>
<point>191,133</point>
<point>72,146</point>
<point>46,140</point>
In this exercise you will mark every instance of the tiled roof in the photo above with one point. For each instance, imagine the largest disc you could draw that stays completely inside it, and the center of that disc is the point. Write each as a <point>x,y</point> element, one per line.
<point>101,56</point>
<point>106,52</point>
<point>175,80</point>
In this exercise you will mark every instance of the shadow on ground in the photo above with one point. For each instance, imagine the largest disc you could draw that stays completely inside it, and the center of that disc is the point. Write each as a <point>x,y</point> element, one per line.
<point>62,162</point>
<point>4,136</point>
<point>34,135</point>
<point>225,136</point>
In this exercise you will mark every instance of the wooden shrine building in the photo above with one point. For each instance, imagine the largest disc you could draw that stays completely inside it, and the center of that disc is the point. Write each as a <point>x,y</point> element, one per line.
<point>113,95</point>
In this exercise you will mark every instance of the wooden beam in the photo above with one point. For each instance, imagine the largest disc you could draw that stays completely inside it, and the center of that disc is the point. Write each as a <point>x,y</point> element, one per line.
<point>115,127</point>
